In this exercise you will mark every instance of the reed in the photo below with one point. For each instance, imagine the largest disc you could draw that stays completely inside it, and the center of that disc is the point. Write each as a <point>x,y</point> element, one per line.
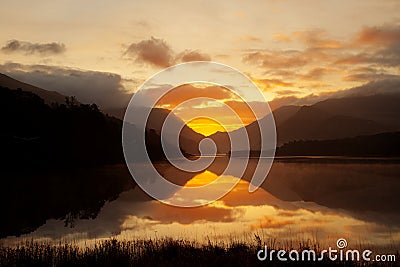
<point>157,252</point>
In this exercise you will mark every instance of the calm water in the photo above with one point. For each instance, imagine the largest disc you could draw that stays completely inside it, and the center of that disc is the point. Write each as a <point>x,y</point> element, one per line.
<point>301,199</point>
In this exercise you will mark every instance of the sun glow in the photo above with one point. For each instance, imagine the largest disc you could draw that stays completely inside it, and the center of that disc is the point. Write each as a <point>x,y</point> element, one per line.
<point>206,126</point>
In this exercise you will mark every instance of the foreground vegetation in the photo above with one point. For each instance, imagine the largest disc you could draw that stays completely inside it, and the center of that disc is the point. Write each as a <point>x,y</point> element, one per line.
<point>164,252</point>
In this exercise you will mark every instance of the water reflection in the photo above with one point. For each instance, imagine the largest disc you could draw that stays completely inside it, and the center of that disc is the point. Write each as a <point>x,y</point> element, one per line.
<point>299,200</point>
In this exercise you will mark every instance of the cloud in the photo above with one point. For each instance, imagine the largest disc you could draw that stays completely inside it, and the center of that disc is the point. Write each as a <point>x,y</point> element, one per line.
<point>280,59</point>
<point>42,49</point>
<point>354,59</point>
<point>322,58</point>
<point>285,60</point>
<point>384,86</point>
<point>192,55</point>
<point>157,52</point>
<point>189,92</point>
<point>387,57</point>
<point>384,35</point>
<point>316,73</point>
<point>223,114</point>
<point>282,37</point>
<point>286,92</point>
<point>250,38</point>
<point>153,51</point>
<point>317,39</point>
<point>291,79</point>
<point>389,85</point>
<point>312,39</point>
<point>381,46</point>
<point>102,88</point>
<point>267,84</point>
<point>221,99</point>
<point>365,74</point>
<point>269,222</point>
<point>223,56</point>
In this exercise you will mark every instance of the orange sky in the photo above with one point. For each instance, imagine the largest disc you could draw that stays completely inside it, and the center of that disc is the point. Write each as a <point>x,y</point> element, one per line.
<point>221,111</point>
<point>101,52</point>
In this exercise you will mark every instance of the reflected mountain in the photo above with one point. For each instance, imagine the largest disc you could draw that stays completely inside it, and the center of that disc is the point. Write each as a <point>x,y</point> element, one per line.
<point>54,161</point>
<point>56,156</point>
<point>298,197</point>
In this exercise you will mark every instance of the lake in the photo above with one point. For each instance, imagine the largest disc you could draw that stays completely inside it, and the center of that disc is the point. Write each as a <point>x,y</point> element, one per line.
<point>303,199</point>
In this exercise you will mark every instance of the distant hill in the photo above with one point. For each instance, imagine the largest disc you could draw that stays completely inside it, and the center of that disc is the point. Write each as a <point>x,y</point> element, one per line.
<point>312,123</point>
<point>378,145</point>
<point>380,108</point>
<point>48,96</point>
<point>342,117</point>
<point>283,113</point>
<point>188,138</point>
<point>330,119</point>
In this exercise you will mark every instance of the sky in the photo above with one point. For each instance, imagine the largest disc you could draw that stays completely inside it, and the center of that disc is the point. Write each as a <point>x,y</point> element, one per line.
<point>295,51</point>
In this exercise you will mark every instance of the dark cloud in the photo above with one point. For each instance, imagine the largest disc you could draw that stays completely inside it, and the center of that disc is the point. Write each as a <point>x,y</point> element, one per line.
<point>387,57</point>
<point>387,34</point>
<point>102,88</point>
<point>153,51</point>
<point>365,74</point>
<point>384,86</point>
<point>381,46</point>
<point>34,48</point>
<point>194,55</point>
<point>373,47</point>
<point>158,52</point>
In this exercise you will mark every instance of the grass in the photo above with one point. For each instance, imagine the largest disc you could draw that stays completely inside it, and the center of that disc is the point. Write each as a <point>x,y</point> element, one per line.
<point>159,252</point>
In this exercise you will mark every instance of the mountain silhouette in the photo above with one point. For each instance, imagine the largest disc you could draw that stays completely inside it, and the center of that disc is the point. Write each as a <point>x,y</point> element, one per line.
<point>188,138</point>
<point>61,161</point>
<point>283,113</point>
<point>329,119</point>
<point>48,96</point>
<point>377,145</point>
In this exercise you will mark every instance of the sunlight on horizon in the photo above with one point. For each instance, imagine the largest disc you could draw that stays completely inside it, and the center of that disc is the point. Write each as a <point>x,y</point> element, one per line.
<point>206,126</point>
